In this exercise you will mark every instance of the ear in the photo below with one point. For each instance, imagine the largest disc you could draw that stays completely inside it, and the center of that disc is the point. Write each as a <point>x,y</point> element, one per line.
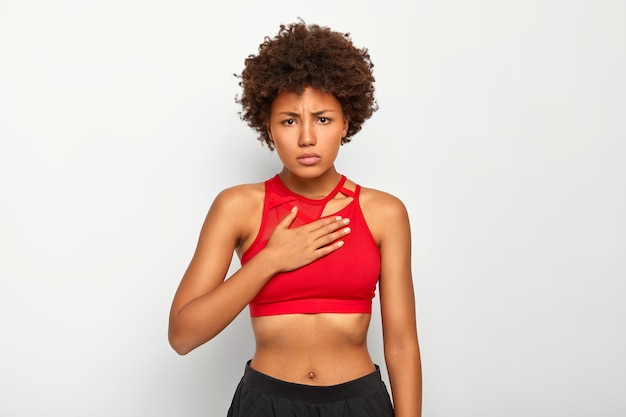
<point>346,124</point>
<point>269,132</point>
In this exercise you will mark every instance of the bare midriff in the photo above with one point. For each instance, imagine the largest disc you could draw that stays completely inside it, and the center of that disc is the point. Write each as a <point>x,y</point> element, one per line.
<point>312,349</point>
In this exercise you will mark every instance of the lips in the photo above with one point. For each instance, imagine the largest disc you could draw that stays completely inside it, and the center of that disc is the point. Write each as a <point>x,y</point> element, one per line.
<point>309,158</point>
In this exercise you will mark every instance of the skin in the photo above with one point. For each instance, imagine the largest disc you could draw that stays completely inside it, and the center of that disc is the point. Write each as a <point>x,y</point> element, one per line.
<point>314,349</point>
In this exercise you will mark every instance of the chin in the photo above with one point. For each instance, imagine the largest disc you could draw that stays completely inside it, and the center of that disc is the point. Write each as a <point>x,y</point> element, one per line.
<point>309,172</point>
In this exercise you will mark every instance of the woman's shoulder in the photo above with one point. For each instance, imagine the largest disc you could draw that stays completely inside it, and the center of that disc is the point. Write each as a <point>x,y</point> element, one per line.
<point>381,202</point>
<point>240,198</point>
<point>242,190</point>
<point>384,213</point>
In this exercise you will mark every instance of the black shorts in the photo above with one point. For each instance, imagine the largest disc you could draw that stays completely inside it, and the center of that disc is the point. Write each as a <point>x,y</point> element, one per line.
<point>260,395</point>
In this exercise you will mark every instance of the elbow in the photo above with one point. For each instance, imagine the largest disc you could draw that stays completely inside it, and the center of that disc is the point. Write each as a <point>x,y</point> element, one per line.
<point>184,342</point>
<point>177,337</point>
<point>184,337</point>
<point>178,347</point>
<point>178,343</point>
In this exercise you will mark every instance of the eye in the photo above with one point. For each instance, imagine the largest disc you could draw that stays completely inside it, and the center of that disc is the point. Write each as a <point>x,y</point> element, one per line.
<point>324,120</point>
<point>289,122</point>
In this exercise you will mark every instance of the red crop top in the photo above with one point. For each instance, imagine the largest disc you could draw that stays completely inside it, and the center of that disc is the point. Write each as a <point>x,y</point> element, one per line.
<point>342,282</point>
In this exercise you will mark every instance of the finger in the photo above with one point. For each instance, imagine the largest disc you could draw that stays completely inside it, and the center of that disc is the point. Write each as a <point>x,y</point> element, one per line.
<point>289,218</point>
<point>327,226</point>
<point>329,238</point>
<point>325,250</point>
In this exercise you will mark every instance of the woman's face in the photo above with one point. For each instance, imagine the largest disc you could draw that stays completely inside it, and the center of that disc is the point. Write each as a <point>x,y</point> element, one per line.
<point>307,131</point>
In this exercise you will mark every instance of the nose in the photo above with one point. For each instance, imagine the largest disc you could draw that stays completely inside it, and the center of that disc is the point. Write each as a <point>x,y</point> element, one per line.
<point>307,136</point>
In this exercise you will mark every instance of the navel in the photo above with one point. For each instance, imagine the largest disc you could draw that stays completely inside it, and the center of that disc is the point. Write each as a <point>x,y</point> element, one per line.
<point>311,375</point>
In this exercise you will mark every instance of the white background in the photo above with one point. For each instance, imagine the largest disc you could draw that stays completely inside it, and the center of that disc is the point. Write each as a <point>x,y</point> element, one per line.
<point>501,127</point>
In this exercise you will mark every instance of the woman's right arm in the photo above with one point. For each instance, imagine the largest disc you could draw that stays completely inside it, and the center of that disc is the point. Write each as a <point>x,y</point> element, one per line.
<point>205,303</point>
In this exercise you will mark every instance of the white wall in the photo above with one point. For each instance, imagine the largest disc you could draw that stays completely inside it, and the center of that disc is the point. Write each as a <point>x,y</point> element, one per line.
<point>501,126</point>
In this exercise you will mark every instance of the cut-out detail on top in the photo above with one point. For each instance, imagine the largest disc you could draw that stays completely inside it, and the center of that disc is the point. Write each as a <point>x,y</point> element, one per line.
<point>308,209</point>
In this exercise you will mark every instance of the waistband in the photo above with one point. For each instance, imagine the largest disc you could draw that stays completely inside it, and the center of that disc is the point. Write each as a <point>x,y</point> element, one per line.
<point>312,393</point>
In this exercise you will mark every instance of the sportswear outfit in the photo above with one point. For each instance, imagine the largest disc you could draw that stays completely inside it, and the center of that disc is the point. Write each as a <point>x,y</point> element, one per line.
<point>342,282</point>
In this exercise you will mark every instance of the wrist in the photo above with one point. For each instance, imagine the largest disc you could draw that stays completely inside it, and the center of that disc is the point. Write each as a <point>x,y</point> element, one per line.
<point>266,264</point>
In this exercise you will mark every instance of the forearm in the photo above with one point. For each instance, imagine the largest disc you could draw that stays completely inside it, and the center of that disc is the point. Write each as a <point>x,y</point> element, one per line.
<point>205,317</point>
<point>205,304</point>
<point>405,375</point>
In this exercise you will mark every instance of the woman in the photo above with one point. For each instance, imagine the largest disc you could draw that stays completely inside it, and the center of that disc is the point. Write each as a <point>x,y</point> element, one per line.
<point>312,244</point>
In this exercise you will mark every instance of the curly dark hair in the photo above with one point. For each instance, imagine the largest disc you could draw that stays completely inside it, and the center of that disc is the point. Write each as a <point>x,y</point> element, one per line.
<point>301,56</point>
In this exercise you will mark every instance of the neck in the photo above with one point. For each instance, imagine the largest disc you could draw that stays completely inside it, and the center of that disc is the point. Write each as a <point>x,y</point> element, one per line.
<point>316,187</point>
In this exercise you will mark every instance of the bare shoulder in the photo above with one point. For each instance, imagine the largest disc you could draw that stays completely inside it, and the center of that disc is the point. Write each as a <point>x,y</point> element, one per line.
<point>237,211</point>
<point>234,206</point>
<point>380,204</point>
<point>383,212</point>
<point>240,198</point>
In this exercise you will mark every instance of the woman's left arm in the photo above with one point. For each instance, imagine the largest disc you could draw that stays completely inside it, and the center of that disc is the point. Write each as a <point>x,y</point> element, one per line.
<point>397,301</point>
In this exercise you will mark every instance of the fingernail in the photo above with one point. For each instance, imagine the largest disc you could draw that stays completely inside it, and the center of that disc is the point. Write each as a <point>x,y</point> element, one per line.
<point>345,221</point>
<point>340,243</point>
<point>347,230</point>
<point>337,217</point>
<point>294,209</point>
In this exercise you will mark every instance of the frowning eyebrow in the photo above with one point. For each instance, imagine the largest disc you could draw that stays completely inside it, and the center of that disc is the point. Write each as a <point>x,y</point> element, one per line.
<point>317,113</point>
